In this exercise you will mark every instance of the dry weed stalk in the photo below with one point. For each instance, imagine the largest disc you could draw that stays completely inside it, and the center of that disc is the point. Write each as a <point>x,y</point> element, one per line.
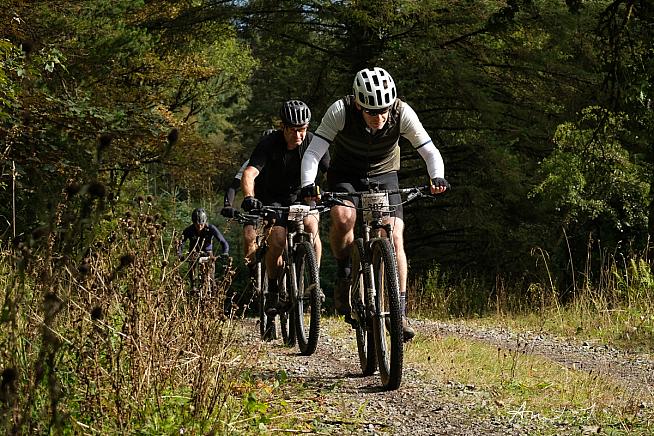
<point>108,341</point>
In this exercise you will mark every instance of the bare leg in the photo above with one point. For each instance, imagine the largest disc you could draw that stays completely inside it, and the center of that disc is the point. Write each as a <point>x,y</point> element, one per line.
<point>276,244</point>
<point>400,254</point>
<point>249,243</point>
<point>341,231</point>
<point>311,226</point>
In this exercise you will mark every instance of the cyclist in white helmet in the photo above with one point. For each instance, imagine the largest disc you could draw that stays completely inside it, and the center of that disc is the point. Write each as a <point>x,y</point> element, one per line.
<point>364,129</point>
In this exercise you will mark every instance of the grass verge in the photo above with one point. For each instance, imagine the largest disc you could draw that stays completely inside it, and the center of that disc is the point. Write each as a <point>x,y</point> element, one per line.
<point>527,387</point>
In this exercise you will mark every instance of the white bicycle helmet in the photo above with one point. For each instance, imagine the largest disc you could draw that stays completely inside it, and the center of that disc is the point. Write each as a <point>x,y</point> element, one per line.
<point>374,88</point>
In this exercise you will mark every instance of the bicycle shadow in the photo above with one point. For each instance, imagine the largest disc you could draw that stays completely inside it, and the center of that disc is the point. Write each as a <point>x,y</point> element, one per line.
<point>335,372</point>
<point>348,381</point>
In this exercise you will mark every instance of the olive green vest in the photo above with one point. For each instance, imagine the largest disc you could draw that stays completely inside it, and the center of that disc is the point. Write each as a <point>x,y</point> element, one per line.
<point>359,152</point>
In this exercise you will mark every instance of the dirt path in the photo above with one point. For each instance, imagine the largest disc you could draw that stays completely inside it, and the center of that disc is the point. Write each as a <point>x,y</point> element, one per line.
<point>329,389</point>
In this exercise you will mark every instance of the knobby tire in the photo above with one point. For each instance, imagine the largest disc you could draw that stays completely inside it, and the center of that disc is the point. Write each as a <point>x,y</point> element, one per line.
<point>387,324</point>
<point>266,326</point>
<point>307,299</point>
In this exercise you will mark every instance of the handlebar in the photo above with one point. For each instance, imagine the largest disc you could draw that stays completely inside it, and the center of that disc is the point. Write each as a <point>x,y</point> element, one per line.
<point>333,198</point>
<point>201,257</point>
<point>253,217</point>
<point>270,213</point>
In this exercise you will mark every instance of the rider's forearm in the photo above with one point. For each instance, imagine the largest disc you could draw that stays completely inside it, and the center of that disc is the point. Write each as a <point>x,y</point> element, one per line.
<point>231,192</point>
<point>433,159</point>
<point>312,156</point>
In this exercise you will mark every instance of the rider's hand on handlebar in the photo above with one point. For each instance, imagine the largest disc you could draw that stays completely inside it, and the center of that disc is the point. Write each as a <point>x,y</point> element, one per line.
<point>438,185</point>
<point>228,212</point>
<point>310,193</point>
<point>250,203</point>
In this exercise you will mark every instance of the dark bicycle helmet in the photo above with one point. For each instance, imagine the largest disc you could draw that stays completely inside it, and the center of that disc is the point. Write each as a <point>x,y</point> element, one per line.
<point>295,113</point>
<point>199,216</point>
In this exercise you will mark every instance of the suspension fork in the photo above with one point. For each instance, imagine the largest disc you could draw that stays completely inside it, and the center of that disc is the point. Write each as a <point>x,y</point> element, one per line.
<point>290,263</point>
<point>375,227</point>
<point>371,290</point>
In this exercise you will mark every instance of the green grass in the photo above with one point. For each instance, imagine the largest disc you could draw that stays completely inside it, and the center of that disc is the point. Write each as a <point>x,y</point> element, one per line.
<point>527,386</point>
<point>628,328</point>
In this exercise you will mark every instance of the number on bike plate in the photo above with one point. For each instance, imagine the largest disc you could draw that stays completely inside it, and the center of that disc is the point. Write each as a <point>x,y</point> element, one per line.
<point>297,212</point>
<point>375,205</point>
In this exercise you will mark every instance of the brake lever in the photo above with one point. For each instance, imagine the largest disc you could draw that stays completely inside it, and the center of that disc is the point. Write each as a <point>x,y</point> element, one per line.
<point>413,195</point>
<point>333,201</point>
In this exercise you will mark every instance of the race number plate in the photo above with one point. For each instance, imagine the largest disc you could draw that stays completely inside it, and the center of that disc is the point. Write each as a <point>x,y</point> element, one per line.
<point>297,212</point>
<point>375,205</point>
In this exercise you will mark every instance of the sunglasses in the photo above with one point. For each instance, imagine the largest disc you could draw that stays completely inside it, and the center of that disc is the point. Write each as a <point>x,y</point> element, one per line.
<point>375,112</point>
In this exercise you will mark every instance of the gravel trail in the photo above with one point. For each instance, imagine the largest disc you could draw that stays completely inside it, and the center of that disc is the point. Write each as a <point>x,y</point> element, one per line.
<point>339,400</point>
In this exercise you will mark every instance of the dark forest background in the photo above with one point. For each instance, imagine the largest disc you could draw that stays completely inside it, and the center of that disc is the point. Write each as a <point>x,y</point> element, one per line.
<point>542,111</point>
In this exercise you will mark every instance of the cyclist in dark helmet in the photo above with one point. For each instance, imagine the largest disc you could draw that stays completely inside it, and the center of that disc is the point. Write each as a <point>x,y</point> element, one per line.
<point>363,130</point>
<point>275,164</point>
<point>228,211</point>
<point>201,234</point>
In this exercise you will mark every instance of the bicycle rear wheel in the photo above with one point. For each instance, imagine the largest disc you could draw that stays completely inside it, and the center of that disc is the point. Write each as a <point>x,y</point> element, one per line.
<point>359,301</point>
<point>307,299</point>
<point>387,322</point>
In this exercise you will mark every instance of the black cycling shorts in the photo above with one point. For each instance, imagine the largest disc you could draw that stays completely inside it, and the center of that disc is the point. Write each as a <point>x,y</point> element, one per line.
<point>339,182</point>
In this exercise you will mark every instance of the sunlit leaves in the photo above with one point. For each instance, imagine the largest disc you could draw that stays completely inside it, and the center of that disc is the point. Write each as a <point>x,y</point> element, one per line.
<point>590,174</point>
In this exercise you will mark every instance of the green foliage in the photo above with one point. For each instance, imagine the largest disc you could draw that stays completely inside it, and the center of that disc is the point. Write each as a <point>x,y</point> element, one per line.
<point>591,176</point>
<point>104,94</point>
<point>9,66</point>
<point>442,295</point>
<point>172,95</point>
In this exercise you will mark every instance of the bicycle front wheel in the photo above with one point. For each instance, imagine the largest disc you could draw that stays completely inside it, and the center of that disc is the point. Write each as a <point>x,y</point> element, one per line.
<point>360,301</point>
<point>286,315</point>
<point>307,298</point>
<point>266,324</point>
<point>387,322</point>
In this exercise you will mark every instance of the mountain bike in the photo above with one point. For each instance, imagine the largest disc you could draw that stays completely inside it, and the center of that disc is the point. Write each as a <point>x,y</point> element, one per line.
<point>375,290</point>
<point>300,295</point>
<point>300,276</point>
